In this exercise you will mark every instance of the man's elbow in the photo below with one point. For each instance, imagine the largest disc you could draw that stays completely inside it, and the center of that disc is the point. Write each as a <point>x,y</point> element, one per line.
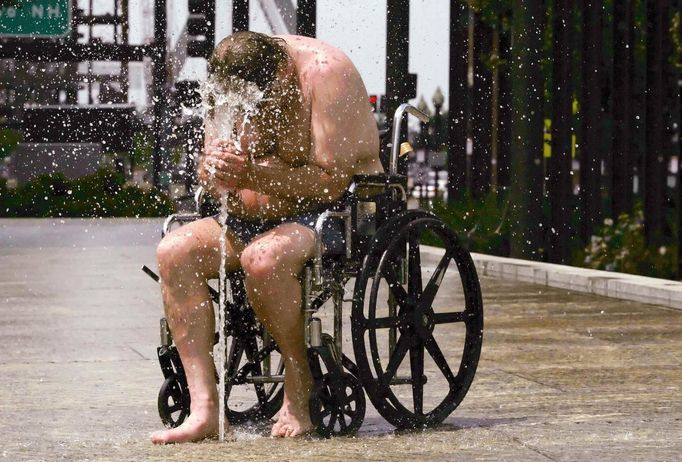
<point>333,187</point>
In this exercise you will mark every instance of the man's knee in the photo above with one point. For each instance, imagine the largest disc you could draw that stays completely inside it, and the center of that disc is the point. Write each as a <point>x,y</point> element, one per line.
<point>263,263</point>
<point>176,251</point>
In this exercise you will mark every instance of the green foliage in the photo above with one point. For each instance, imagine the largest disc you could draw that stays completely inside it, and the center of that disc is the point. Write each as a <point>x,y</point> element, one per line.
<point>676,39</point>
<point>490,10</point>
<point>103,194</point>
<point>143,148</point>
<point>621,247</point>
<point>9,139</point>
<point>479,223</point>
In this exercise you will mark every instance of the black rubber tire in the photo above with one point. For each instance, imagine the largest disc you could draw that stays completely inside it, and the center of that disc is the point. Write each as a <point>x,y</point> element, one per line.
<point>415,321</point>
<point>335,415</point>
<point>173,402</point>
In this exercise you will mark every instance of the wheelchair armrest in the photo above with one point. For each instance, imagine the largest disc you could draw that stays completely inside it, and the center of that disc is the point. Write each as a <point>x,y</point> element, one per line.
<point>383,181</point>
<point>381,178</point>
<point>319,245</point>
<point>178,218</point>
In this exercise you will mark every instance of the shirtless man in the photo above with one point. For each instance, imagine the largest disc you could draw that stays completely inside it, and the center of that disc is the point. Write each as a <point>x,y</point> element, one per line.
<point>313,132</point>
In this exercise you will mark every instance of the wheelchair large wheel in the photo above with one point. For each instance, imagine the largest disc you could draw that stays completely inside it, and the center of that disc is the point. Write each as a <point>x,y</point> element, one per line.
<point>418,303</point>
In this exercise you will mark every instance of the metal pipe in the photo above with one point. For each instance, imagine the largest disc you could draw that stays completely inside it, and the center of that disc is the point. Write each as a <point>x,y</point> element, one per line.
<point>166,337</point>
<point>307,311</point>
<point>266,360</point>
<point>265,379</point>
<point>178,218</point>
<point>397,186</point>
<point>315,332</point>
<point>397,119</point>
<point>159,100</point>
<point>338,318</point>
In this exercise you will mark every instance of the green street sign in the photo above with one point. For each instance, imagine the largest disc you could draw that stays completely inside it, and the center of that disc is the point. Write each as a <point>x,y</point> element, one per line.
<point>35,18</point>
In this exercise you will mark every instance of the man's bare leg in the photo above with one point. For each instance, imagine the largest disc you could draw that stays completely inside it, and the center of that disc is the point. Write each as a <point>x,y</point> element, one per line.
<point>271,264</point>
<point>188,257</point>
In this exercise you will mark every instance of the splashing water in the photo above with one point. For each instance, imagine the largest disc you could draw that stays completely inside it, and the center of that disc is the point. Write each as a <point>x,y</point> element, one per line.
<point>222,101</point>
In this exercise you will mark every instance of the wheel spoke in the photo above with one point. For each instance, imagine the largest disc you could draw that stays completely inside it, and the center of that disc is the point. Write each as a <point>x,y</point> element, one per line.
<point>260,393</point>
<point>350,413</point>
<point>332,419</point>
<point>251,348</point>
<point>444,318</point>
<point>426,300</point>
<point>382,323</point>
<point>174,408</point>
<point>414,283</point>
<point>233,360</point>
<point>395,287</point>
<point>437,355</point>
<point>417,370</point>
<point>398,354</point>
<point>342,421</point>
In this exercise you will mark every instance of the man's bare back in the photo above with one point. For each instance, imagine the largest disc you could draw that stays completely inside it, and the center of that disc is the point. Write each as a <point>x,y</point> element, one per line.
<point>315,132</point>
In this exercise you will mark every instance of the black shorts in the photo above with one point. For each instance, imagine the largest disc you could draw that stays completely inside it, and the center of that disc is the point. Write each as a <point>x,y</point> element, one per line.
<point>247,230</point>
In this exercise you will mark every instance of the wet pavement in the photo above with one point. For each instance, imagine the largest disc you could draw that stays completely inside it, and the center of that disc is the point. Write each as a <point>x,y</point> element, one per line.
<point>562,376</point>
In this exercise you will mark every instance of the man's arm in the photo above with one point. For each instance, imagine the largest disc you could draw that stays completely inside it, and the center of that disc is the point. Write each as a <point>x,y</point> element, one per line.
<point>334,150</point>
<point>309,182</point>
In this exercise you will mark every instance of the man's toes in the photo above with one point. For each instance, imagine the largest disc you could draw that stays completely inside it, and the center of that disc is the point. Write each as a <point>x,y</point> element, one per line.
<point>159,437</point>
<point>281,430</point>
<point>276,428</point>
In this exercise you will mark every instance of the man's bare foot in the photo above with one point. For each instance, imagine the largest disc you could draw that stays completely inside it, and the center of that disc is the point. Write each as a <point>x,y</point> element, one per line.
<point>292,422</point>
<point>201,424</point>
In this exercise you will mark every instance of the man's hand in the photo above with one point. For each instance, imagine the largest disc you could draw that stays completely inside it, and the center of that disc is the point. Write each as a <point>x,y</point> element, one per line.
<point>225,165</point>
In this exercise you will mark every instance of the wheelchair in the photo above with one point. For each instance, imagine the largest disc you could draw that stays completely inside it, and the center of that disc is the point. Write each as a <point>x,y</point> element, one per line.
<point>397,261</point>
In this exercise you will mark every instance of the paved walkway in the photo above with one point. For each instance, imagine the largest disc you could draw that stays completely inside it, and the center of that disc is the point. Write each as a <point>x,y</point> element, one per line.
<point>563,376</point>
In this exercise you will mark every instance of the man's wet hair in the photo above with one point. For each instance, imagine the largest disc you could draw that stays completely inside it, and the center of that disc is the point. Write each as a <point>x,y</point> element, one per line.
<point>251,56</point>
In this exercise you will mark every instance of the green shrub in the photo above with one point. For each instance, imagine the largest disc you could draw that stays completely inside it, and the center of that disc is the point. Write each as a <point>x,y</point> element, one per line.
<point>479,223</point>
<point>103,194</point>
<point>621,247</point>
<point>9,138</point>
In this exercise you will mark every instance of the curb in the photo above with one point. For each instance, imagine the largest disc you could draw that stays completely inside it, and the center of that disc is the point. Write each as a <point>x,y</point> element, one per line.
<point>622,286</point>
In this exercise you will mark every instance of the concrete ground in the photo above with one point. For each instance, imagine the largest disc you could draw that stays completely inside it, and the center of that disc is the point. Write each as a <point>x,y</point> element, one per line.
<point>562,376</point>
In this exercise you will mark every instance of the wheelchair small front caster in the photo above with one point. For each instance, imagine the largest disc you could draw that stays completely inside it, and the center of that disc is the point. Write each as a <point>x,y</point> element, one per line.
<point>337,407</point>
<point>173,402</point>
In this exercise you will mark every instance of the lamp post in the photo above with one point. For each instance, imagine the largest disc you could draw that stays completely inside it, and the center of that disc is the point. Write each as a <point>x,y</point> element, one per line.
<point>438,157</point>
<point>437,99</point>
<point>424,145</point>
<point>423,138</point>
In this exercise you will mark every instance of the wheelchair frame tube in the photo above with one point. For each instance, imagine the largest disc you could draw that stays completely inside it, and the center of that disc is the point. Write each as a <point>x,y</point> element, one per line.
<point>178,218</point>
<point>338,318</point>
<point>397,120</point>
